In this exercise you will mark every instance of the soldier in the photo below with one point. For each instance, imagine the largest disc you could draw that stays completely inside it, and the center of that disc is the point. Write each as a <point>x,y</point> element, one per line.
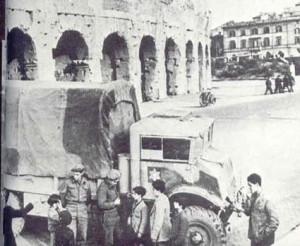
<point>108,200</point>
<point>263,220</point>
<point>76,195</point>
<point>278,87</point>
<point>268,86</point>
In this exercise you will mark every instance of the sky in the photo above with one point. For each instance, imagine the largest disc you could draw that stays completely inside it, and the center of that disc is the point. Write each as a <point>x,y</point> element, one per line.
<point>243,10</point>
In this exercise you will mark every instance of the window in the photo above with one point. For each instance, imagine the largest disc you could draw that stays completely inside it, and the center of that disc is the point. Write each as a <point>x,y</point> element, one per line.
<point>243,44</point>
<point>253,43</point>
<point>278,28</point>
<point>243,32</point>
<point>278,41</point>
<point>297,31</point>
<point>266,29</point>
<point>232,44</point>
<point>297,40</point>
<point>232,33</point>
<point>266,42</point>
<point>254,31</point>
<point>156,148</point>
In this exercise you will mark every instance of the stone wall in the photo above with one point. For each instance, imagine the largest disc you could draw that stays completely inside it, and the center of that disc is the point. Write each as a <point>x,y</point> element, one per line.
<point>97,41</point>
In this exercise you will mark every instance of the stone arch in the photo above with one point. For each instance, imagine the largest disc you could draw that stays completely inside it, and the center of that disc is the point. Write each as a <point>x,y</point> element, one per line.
<point>21,56</point>
<point>147,55</point>
<point>189,63</point>
<point>200,64</point>
<point>206,56</point>
<point>115,62</point>
<point>71,57</point>
<point>172,56</point>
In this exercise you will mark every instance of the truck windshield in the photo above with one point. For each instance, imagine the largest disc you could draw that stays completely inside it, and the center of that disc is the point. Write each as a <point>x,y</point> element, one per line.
<point>156,148</point>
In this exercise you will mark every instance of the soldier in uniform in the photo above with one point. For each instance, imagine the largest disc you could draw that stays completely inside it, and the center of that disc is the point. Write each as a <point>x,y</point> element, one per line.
<point>76,195</point>
<point>108,200</point>
<point>278,87</point>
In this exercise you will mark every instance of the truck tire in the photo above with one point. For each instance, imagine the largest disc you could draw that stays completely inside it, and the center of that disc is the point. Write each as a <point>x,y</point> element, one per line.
<point>205,228</point>
<point>17,223</point>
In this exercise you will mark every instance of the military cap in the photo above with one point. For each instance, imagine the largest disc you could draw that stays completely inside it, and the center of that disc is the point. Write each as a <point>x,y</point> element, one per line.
<point>78,168</point>
<point>113,174</point>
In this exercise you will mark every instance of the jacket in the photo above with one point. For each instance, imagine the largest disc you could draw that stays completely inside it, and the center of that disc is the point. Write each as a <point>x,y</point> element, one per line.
<point>263,220</point>
<point>139,218</point>
<point>106,197</point>
<point>180,226</point>
<point>160,223</point>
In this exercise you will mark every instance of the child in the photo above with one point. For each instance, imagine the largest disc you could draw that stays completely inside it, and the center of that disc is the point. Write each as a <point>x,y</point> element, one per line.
<point>54,202</point>
<point>64,236</point>
<point>139,216</point>
<point>180,224</point>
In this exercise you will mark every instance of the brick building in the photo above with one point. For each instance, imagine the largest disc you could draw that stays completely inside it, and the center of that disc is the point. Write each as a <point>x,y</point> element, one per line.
<point>161,46</point>
<point>268,34</point>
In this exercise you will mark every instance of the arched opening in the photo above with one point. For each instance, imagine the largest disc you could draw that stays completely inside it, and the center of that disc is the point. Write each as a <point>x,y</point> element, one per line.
<point>200,64</point>
<point>115,62</point>
<point>21,56</point>
<point>71,55</point>
<point>206,56</point>
<point>189,64</point>
<point>148,60</point>
<point>172,56</point>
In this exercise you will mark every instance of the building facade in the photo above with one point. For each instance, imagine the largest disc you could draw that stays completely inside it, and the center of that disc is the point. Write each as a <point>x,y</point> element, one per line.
<point>267,35</point>
<point>97,41</point>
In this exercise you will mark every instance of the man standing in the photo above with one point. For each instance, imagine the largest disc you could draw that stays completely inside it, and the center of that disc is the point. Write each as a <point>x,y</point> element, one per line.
<point>263,220</point>
<point>160,222</point>
<point>180,224</point>
<point>76,195</point>
<point>268,86</point>
<point>278,87</point>
<point>108,200</point>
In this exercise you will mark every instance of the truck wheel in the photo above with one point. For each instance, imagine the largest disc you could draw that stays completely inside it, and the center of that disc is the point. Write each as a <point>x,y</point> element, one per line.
<point>205,228</point>
<point>17,223</point>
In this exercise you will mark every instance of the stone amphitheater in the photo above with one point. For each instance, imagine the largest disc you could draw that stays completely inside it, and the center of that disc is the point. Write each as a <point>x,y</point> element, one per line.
<point>161,46</point>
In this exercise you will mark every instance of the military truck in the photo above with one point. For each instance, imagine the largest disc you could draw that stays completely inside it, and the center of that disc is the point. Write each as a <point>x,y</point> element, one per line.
<point>177,148</point>
<point>51,128</point>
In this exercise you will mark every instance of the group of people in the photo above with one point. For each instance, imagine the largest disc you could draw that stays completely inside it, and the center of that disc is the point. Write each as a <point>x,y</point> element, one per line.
<point>286,82</point>
<point>68,214</point>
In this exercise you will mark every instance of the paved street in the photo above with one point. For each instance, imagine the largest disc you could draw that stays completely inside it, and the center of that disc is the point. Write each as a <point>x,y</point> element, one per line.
<point>261,134</point>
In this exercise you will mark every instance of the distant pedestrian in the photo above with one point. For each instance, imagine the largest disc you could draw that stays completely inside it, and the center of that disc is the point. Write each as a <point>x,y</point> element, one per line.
<point>54,202</point>
<point>160,223</point>
<point>64,236</point>
<point>76,195</point>
<point>180,224</point>
<point>278,87</point>
<point>268,86</point>
<point>8,214</point>
<point>291,82</point>
<point>263,220</point>
<point>139,220</point>
<point>286,83</point>
<point>108,201</point>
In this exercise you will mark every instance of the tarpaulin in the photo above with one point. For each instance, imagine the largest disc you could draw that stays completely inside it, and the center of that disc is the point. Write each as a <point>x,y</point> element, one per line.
<point>50,129</point>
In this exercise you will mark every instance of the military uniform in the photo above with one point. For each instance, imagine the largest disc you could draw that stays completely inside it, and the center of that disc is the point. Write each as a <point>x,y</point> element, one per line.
<point>76,195</point>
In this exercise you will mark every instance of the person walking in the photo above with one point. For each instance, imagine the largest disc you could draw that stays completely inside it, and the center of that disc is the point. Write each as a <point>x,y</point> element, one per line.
<point>278,87</point>
<point>138,220</point>
<point>180,224</point>
<point>291,82</point>
<point>263,220</point>
<point>160,223</point>
<point>76,195</point>
<point>268,86</point>
<point>108,200</point>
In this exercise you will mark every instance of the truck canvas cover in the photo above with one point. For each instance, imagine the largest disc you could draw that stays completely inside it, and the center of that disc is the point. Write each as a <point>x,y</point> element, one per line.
<point>50,128</point>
